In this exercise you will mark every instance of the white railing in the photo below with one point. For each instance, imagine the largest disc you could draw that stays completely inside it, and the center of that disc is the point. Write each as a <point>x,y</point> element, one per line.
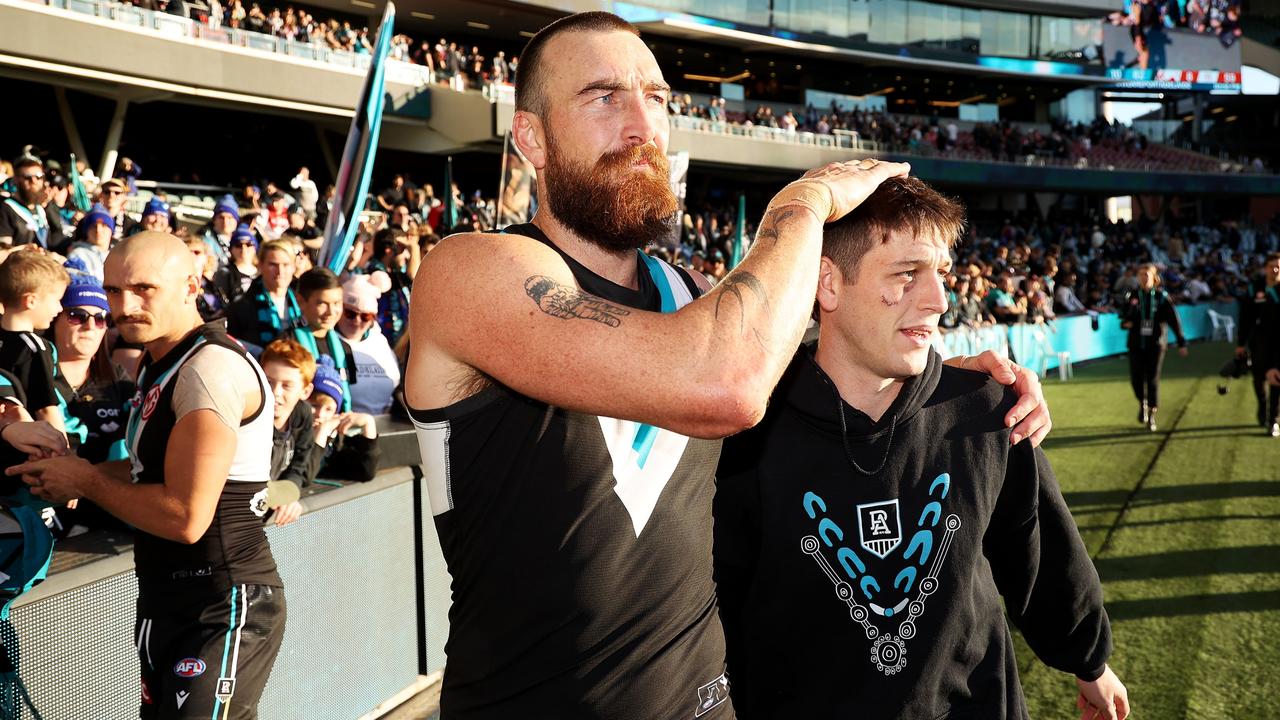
<point>183,27</point>
<point>844,139</point>
<point>849,140</point>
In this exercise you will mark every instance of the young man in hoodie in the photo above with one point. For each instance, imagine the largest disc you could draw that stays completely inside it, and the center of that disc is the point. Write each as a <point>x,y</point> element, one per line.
<point>867,530</point>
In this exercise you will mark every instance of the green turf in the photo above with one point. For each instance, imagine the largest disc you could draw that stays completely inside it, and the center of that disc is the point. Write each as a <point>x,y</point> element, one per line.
<point>1191,567</point>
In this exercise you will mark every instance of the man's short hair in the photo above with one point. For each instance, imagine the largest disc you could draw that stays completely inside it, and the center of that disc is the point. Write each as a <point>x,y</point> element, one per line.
<point>529,82</point>
<point>317,280</point>
<point>26,272</point>
<point>288,351</point>
<point>283,246</point>
<point>1271,257</point>
<point>900,203</point>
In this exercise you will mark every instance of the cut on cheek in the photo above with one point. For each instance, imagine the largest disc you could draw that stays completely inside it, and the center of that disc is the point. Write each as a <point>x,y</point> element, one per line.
<point>887,302</point>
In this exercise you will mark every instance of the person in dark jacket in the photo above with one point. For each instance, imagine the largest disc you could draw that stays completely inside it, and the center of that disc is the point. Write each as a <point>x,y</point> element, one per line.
<point>869,528</point>
<point>1148,314</point>
<point>289,369</point>
<point>27,216</point>
<point>1259,337</point>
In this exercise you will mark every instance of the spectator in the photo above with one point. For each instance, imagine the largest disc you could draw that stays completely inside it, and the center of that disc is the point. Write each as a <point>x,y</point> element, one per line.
<point>234,280</point>
<point>93,241</point>
<point>31,288</point>
<point>25,217</point>
<point>1064,298</point>
<point>260,316</point>
<point>346,444</point>
<point>272,224</point>
<point>379,370</point>
<point>320,299</point>
<point>393,195</point>
<point>211,303</point>
<point>129,172</point>
<point>155,216</point>
<point>972,313</point>
<point>290,369</point>
<point>398,256</point>
<point>308,194</point>
<point>112,194</point>
<point>95,391</point>
<point>217,234</point>
<point>1003,305</point>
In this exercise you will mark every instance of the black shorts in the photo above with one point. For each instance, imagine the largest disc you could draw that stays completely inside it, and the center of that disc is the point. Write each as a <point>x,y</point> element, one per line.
<point>209,658</point>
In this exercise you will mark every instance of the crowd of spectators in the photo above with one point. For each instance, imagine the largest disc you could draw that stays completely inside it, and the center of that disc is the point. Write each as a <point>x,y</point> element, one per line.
<point>1026,269</point>
<point>1098,144</point>
<point>332,343</point>
<point>451,63</point>
<point>1033,271</point>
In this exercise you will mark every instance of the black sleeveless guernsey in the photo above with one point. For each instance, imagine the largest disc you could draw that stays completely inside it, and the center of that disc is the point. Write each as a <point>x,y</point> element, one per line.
<point>579,547</point>
<point>234,549</point>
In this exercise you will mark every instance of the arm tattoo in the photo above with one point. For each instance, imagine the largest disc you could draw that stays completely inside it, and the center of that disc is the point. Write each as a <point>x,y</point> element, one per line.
<point>567,302</point>
<point>769,228</point>
<point>733,285</point>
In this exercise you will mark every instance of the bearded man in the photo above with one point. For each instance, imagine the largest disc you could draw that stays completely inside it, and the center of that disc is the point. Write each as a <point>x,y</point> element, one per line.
<point>569,393</point>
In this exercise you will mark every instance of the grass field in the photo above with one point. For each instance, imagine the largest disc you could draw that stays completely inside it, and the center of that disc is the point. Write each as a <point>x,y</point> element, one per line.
<point>1184,527</point>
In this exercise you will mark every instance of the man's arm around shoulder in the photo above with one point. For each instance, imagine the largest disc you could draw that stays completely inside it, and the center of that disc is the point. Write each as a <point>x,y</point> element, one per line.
<point>509,308</point>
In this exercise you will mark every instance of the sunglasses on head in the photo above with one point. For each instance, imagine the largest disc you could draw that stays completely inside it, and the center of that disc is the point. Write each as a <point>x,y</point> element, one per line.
<point>76,316</point>
<point>350,314</point>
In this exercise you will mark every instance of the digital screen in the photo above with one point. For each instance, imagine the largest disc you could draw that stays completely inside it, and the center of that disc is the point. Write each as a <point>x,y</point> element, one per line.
<point>1174,45</point>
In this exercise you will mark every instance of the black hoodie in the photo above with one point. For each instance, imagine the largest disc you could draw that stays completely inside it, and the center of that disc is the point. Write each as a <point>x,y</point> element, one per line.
<point>852,595</point>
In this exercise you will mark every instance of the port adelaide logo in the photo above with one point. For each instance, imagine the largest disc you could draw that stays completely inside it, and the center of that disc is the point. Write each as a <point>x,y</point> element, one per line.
<point>879,529</point>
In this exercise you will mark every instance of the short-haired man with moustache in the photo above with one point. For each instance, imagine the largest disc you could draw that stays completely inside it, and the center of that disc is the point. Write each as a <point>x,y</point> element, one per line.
<point>211,607</point>
<point>868,528</point>
<point>570,477</point>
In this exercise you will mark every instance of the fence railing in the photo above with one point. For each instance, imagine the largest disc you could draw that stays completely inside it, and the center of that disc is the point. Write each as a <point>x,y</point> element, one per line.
<point>184,27</point>
<point>850,140</point>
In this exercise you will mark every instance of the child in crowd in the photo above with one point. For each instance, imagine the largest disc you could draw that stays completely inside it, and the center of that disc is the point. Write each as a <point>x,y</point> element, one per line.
<point>346,443</point>
<point>289,369</point>
<point>31,288</point>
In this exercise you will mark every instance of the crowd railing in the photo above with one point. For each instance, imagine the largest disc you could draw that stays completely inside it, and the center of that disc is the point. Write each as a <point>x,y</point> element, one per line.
<point>184,27</point>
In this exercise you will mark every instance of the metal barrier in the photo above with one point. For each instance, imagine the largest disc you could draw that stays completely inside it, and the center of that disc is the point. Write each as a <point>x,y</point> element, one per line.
<point>359,612</point>
<point>184,27</point>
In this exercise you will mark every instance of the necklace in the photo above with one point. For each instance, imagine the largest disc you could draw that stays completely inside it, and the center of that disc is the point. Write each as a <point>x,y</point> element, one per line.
<point>844,430</point>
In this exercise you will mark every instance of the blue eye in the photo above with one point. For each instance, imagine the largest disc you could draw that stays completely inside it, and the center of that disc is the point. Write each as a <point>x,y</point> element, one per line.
<point>909,275</point>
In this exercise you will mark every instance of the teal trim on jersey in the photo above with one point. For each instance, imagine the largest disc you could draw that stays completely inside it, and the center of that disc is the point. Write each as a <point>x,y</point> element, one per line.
<point>117,451</point>
<point>647,434</point>
<point>660,279</point>
<point>226,650</point>
<point>134,426</point>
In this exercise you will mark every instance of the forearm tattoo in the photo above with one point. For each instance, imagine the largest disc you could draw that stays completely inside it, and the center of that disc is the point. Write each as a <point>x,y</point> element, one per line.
<point>567,302</point>
<point>734,285</point>
<point>769,227</point>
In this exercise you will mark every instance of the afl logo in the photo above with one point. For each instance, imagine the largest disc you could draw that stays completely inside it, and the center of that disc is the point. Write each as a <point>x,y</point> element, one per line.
<point>189,668</point>
<point>149,405</point>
